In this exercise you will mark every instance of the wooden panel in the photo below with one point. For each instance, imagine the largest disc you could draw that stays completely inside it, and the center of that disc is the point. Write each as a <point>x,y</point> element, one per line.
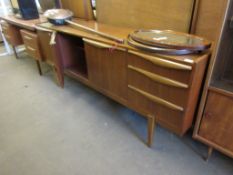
<point>149,14</point>
<point>217,125</point>
<point>31,43</point>
<point>12,34</point>
<point>107,69</point>
<point>80,8</point>
<point>209,18</point>
<point>47,51</point>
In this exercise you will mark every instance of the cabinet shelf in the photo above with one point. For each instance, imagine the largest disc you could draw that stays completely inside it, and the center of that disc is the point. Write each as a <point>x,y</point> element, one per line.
<point>74,58</point>
<point>76,72</point>
<point>222,86</point>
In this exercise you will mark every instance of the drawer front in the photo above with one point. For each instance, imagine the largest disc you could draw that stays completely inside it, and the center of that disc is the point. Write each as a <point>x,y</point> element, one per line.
<point>162,87</point>
<point>31,43</point>
<point>160,66</point>
<point>107,69</point>
<point>12,34</point>
<point>5,27</point>
<point>168,115</point>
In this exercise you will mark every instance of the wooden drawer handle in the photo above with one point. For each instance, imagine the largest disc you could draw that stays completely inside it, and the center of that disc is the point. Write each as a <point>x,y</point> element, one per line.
<point>4,28</point>
<point>30,48</point>
<point>44,29</point>
<point>158,78</point>
<point>162,62</point>
<point>102,45</point>
<point>7,36</point>
<point>157,99</point>
<point>27,37</point>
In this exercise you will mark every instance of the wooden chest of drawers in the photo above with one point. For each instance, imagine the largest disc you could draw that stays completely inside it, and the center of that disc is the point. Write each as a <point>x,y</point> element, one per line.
<point>31,43</point>
<point>165,88</point>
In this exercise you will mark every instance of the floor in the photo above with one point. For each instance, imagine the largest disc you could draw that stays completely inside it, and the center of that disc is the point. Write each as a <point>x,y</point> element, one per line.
<point>46,130</point>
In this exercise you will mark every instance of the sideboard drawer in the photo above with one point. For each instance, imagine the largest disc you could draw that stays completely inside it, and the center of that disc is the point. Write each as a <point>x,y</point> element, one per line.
<point>11,33</point>
<point>161,66</point>
<point>162,87</point>
<point>31,43</point>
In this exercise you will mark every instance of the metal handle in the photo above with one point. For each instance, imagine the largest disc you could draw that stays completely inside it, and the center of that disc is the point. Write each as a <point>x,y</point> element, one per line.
<point>96,32</point>
<point>162,62</point>
<point>159,78</point>
<point>157,99</point>
<point>102,45</point>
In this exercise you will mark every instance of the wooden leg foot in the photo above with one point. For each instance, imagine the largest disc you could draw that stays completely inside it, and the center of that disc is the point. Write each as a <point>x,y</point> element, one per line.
<point>151,128</point>
<point>39,67</point>
<point>15,52</point>
<point>210,151</point>
<point>58,77</point>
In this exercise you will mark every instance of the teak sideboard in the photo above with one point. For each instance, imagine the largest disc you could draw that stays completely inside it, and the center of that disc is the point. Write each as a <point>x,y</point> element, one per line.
<point>163,88</point>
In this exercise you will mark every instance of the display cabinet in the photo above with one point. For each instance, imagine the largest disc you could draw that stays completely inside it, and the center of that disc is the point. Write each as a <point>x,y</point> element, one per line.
<point>214,125</point>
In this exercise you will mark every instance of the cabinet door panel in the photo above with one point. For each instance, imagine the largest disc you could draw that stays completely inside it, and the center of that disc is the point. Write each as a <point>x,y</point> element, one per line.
<point>217,122</point>
<point>107,69</point>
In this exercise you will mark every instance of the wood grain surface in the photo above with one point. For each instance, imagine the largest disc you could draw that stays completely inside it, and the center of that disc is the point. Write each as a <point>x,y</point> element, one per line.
<point>149,14</point>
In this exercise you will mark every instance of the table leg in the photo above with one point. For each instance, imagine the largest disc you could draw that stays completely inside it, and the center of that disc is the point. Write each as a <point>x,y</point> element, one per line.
<point>210,151</point>
<point>39,67</point>
<point>151,127</point>
<point>15,52</point>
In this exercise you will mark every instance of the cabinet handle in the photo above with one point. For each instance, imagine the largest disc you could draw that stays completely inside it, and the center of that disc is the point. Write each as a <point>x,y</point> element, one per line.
<point>158,78</point>
<point>27,37</point>
<point>43,29</point>
<point>30,48</point>
<point>101,45</point>
<point>7,36</point>
<point>4,28</point>
<point>162,62</point>
<point>157,99</point>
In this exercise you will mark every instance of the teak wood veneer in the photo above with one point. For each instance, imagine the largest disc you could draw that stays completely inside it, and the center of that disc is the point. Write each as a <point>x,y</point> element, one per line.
<point>162,88</point>
<point>214,119</point>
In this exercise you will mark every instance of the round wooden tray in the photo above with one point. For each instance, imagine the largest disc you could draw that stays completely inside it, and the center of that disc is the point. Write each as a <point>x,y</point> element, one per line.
<point>170,39</point>
<point>160,50</point>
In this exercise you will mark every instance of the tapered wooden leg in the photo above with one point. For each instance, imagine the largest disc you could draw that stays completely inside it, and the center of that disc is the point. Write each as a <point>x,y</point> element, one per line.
<point>210,151</point>
<point>58,78</point>
<point>151,127</point>
<point>38,67</point>
<point>14,50</point>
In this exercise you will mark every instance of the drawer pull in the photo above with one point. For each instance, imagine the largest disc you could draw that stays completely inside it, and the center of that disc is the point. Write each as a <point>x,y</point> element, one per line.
<point>159,78</point>
<point>4,28</point>
<point>30,48</point>
<point>7,36</point>
<point>102,45</point>
<point>157,99</point>
<point>44,29</point>
<point>162,62</point>
<point>27,37</point>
